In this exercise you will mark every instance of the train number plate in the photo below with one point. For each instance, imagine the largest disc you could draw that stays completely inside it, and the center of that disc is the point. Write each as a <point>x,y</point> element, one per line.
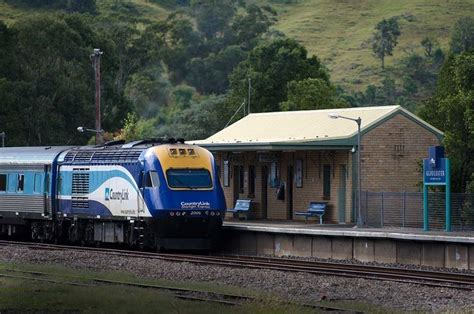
<point>195,213</point>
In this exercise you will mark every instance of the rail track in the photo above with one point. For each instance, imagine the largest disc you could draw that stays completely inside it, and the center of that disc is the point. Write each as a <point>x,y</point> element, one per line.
<point>453,280</point>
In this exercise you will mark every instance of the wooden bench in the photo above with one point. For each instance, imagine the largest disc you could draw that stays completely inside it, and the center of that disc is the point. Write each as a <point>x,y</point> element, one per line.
<point>241,207</point>
<point>314,209</point>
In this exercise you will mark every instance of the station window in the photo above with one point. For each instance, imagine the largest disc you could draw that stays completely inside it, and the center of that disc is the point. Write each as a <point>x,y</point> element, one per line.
<point>21,182</point>
<point>251,181</point>
<point>326,182</point>
<point>3,182</point>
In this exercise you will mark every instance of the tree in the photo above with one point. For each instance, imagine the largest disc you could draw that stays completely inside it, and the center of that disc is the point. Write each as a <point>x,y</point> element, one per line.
<point>271,66</point>
<point>385,38</point>
<point>429,45</point>
<point>451,110</point>
<point>49,82</point>
<point>312,94</point>
<point>462,38</point>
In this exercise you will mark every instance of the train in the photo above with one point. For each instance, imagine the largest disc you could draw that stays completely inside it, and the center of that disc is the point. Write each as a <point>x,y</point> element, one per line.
<point>157,194</point>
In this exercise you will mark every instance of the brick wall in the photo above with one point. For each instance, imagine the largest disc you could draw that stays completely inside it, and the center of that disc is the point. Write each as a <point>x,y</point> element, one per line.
<point>392,154</point>
<point>312,182</point>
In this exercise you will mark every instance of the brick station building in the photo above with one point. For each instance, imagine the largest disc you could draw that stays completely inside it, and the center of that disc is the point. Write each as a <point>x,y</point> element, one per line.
<point>308,156</point>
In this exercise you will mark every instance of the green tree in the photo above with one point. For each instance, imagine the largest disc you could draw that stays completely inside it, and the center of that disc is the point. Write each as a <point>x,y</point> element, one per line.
<point>462,37</point>
<point>385,38</point>
<point>429,45</point>
<point>312,94</point>
<point>50,81</point>
<point>271,67</point>
<point>451,110</point>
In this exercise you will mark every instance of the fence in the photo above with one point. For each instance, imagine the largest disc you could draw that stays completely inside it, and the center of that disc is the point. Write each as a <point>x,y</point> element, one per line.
<point>405,209</point>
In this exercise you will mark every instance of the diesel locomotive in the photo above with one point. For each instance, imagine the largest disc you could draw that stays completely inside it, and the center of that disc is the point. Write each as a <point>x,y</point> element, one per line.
<point>148,193</point>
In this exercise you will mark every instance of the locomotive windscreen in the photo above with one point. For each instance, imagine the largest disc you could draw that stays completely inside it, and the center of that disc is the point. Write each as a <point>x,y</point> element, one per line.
<point>189,178</point>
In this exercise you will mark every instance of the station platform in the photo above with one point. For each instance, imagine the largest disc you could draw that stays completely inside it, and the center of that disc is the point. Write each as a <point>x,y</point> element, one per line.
<point>346,242</point>
<point>296,227</point>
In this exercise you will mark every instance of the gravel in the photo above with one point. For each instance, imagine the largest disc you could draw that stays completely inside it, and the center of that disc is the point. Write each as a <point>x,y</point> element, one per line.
<point>294,286</point>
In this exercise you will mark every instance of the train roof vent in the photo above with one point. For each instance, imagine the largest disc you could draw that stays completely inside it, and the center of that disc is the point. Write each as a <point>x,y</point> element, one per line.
<point>118,155</point>
<point>83,156</point>
<point>69,156</point>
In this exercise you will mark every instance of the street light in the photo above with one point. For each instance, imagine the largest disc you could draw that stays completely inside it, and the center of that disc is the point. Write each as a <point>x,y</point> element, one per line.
<point>3,138</point>
<point>83,129</point>
<point>358,121</point>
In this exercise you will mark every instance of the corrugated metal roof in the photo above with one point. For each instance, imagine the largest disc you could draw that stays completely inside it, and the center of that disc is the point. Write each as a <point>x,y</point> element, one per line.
<point>299,127</point>
<point>38,155</point>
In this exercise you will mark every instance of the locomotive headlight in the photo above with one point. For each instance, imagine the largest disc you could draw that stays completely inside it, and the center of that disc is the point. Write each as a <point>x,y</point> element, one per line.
<point>212,213</point>
<point>178,214</point>
<point>218,213</point>
<point>171,213</point>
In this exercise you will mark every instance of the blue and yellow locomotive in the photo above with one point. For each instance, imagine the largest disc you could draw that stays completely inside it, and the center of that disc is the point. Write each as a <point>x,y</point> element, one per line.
<point>149,193</point>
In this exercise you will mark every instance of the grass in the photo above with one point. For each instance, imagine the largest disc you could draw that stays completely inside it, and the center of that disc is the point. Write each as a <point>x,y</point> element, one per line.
<point>24,295</point>
<point>337,31</point>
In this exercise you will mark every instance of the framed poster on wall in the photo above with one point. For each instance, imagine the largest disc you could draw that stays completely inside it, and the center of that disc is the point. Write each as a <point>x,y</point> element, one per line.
<point>299,173</point>
<point>226,173</point>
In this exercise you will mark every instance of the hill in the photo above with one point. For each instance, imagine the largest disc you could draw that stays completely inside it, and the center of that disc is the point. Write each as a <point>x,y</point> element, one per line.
<point>337,31</point>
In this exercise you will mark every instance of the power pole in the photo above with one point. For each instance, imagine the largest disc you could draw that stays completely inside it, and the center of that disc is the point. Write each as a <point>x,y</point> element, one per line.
<point>250,88</point>
<point>95,58</point>
<point>3,138</point>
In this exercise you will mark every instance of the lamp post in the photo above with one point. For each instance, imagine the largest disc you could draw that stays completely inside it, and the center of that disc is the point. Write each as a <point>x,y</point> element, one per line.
<point>359,181</point>
<point>83,129</point>
<point>95,58</point>
<point>3,138</point>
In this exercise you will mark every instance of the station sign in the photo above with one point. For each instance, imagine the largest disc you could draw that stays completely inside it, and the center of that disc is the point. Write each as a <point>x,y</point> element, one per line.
<point>434,175</point>
<point>434,168</point>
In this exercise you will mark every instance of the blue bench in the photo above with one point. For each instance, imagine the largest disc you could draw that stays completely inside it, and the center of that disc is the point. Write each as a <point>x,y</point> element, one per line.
<point>241,206</point>
<point>314,209</point>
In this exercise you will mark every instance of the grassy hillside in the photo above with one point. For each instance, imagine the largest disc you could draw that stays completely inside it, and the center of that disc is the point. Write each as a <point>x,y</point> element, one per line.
<point>337,31</point>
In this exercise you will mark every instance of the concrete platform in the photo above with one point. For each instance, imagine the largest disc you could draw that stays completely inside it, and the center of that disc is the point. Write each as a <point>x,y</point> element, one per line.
<point>396,245</point>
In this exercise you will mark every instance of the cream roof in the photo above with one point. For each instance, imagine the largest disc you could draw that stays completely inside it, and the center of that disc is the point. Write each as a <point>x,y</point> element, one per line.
<point>294,127</point>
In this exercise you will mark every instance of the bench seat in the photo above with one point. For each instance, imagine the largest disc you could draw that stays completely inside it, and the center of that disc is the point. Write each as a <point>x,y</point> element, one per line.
<point>314,209</point>
<point>241,207</point>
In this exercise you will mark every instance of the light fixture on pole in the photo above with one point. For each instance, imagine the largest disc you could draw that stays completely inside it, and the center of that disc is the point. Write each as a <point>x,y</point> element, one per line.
<point>83,129</point>
<point>359,184</point>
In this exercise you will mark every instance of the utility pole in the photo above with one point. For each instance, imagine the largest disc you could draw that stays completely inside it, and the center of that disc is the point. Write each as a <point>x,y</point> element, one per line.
<point>95,58</point>
<point>250,88</point>
<point>3,138</point>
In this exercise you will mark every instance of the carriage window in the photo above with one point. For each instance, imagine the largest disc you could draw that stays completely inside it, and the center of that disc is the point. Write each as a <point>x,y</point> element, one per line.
<point>3,182</point>
<point>152,180</point>
<point>37,183</point>
<point>189,178</point>
<point>21,182</point>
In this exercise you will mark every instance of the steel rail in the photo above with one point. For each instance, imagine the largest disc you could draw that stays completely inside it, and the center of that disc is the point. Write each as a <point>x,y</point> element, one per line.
<point>423,277</point>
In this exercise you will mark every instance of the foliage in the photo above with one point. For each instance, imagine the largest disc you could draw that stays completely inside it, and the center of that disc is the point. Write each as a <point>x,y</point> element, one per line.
<point>312,94</point>
<point>429,45</point>
<point>271,66</point>
<point>202,45</point>
<point>385,38</point>
<point>81,6</point>
<point>451,110</point>
<point>462,38</point>
<point>48,82</point>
